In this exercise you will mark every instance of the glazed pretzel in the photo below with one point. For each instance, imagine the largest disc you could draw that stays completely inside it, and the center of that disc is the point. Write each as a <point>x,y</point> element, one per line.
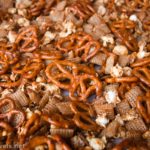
<point>123,24</point>
<point>28,69</point>
<point>8,53</point>
<point>27,40</point>
<point>130,144</point>
<point>48,54</point>
<point>89,50</point>
<point>82,44</point>
<point>4,66</point>
<point>144,110</point>
<point>57,120</point>
<point>137,4</point>
<point>39,140</point>
<point>70,42</point>
<point>143,74</point>
<point>7,109</point>
<point>121,79</point>
<point>126,38</point>
<point>58,70</point>
<point>83,113</point>
<point>36,7</point>
<point>81,9</point>
<point>141,62</point>
<point>83,89</point>
<point>60,141</point>
<point>31,126</point>
<point>9,130</point>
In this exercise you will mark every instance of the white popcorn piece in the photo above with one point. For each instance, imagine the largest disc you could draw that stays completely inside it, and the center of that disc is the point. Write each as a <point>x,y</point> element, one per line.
<point>101,10</point>
<point>29,113</point>
<point>133,17</point>
<point>119,2</point>
<point>116,71</point>
<point>12,10</point>
<point>48,37</point>
<point>102,120</point>
<point>120,50</point>
<point>97,143</point>
<point>23,22</point>
<point>23,3</point>
<point>40,147</point>
<point>107,39</point>
<point>12,36</point>
<point>111,96</point>
<point>69,28</point>
<point>127,71</point>
<point>22,12</point>
<point>142,53</point>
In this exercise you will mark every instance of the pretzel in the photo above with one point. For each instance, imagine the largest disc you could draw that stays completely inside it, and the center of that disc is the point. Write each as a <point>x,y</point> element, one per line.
<point>7,109</point>
<point>81,9</point>
<point>143,74</point>
<point>73,41</point>
<point>36,7</point>
<point>39,140</point>
<point>6,105</point>
<point>90,50</point>
<point>56,120</point>
<point>29,69</point>
<point>136,4</point>
<point>27,40</point>
<point>48,54</point>
<point>83,116</point>
<point>60,141</point>
<point>83,89</point>
<point>9,130</point>
<point>146,24</point>
<point>126,38</point>
<point>123,24</point>
<point>141,62</point>
<point>59,70</point>
<point>82,44</point>
<point>4,67</point>
<point>130,144</point>
<point>30,127</point>
<point>121,79</point>
<point>9,83</point>
<point>144,110</point>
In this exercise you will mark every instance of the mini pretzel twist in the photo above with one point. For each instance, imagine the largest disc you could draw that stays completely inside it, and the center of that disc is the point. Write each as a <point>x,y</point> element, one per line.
<point>27,40</point>
<point>123,24</point>
<point>39,140</point>
<point>36,7</point>
<point>137,4</point>
<point>30,127</point>
<point>8,83</point>
<point>141,62</point>
<point>57,120</point>
<point>120,29</point>
<point>83,89</point>
<point>121,79</point>
<point>29,69</point>
<point>81,9</point>
<point>144,110</point>
<point>59,71</point>
<point>130,144</point>
<point>82,44</point>
<point>48,54</point>
<point>9,130</point>
<point>60,141</point>
<point>143,74</point>
<point>83,116</point>
<point>7,108</point>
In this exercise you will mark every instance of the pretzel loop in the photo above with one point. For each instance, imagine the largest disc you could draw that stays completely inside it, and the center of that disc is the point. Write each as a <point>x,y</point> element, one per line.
<point>144,109</point>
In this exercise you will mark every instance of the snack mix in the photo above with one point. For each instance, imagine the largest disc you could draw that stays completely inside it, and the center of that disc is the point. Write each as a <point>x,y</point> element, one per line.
<point>75,74</point>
